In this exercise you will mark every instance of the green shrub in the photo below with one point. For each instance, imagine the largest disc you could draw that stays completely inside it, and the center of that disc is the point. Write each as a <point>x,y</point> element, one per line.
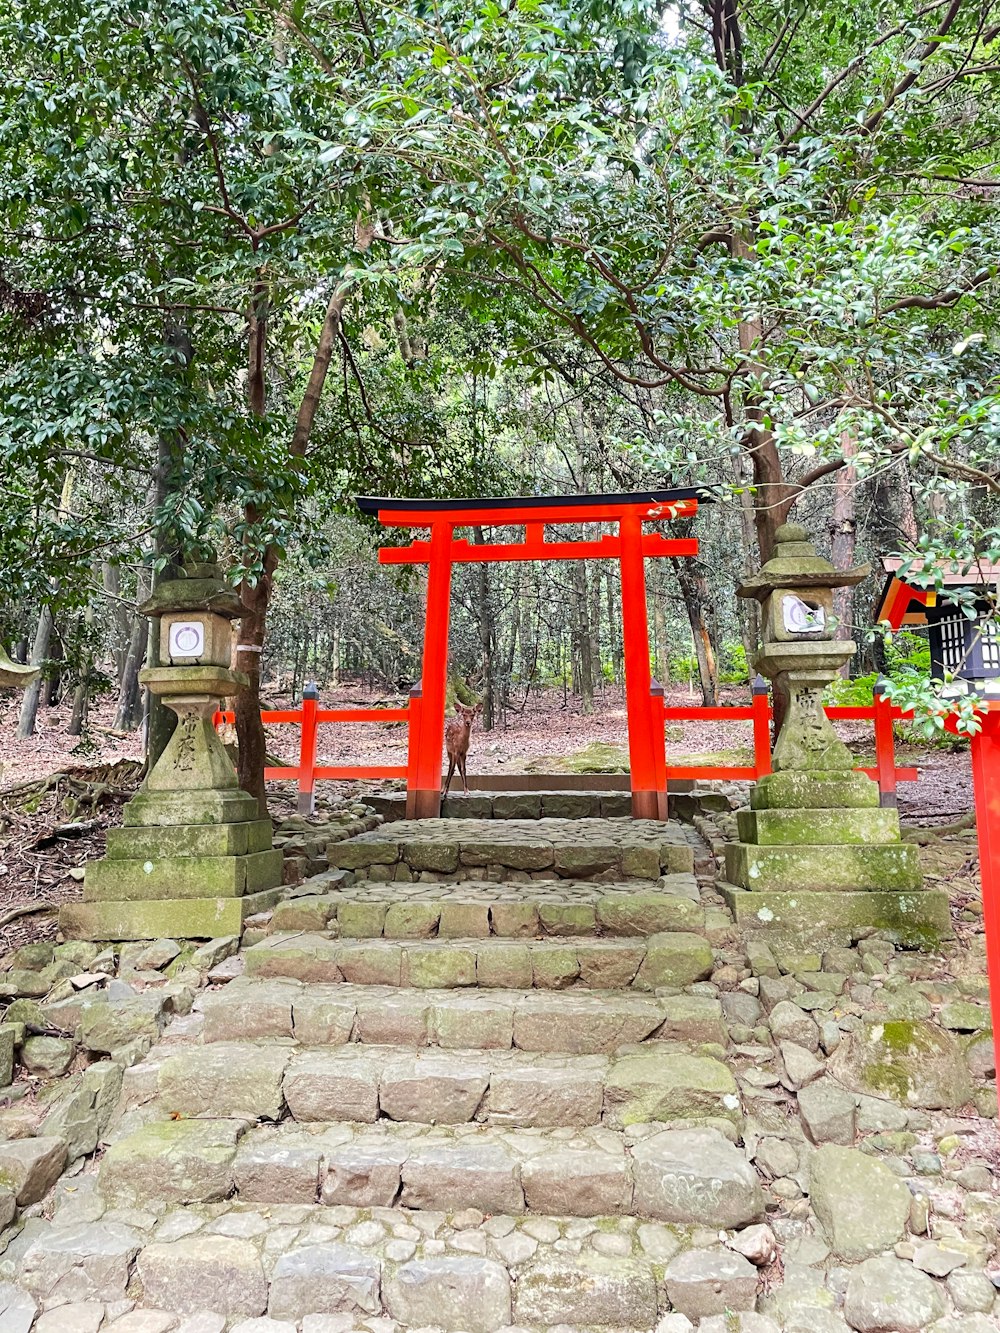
<point>734,669</point>
<point>684,666</point>
<point>856,692</point>
<point>908,650</point>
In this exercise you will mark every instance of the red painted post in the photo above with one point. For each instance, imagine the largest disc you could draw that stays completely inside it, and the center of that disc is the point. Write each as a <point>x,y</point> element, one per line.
<point>638,678</point>
<point>413,752</point>
<point>307,751</point>
<point>434,680</point>
<point>986,786</point>
<point>885,746</point>
<point>657,708</point>
<point>760,691</point>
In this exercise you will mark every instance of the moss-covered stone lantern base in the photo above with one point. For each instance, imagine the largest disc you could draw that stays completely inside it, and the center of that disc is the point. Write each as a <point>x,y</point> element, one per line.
<point>194,858</point>
<point>827,873</point>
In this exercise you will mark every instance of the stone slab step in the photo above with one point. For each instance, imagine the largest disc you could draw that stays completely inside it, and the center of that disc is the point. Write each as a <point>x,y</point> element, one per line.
<point>569,848</point>
<point>139,879</point>
<point>161,918</point>
<point>521,804</point>
<point>768,828</point>
<point>365,1084</point>
<point>456,1271</point>
<point>158,841</point>
<point>828,867</point>
<point>669,959</point>
<point>679,1176</point>
<point>573,1021</point>
<point>821,918</point>
<point>401,910</point>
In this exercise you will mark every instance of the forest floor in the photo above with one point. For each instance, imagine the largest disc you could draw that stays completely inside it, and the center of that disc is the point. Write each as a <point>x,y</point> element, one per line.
<point>48,833</point>
<point>548,734</point>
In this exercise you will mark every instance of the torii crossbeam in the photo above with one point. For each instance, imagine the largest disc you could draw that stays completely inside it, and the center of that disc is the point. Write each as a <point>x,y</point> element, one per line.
<point>630,546</point>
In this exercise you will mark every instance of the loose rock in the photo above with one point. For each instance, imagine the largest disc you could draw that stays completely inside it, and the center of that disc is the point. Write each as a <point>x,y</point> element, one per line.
<point>861,1205</point>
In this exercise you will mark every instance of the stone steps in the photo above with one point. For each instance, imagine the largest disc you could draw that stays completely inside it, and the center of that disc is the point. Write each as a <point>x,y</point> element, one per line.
<point>482,804</point>
<point>507,910</point>
<point>677,1176</point>
<point>668,959</point>
<point>454,1271</point>
<point>574,1021</point>
<point>464,849</point>
<point>654,1081</point>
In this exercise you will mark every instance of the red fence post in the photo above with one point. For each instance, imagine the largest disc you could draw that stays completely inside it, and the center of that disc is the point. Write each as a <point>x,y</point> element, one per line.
<point>986,786</point>
<point>885,745</point>
<point>761,703</point>
<point>307,751</point>
<point>413,752</point>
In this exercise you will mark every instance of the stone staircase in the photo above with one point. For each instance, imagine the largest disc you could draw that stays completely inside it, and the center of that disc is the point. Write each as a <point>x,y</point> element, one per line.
<point>545,1084</point>
<point>465,1080</point>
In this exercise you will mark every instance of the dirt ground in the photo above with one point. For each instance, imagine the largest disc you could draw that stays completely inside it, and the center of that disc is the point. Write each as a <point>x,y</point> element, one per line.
<point>50,826</point>
<point>545,736</point>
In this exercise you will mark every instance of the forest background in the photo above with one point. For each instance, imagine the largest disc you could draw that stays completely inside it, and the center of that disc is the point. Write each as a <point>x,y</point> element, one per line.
<point>259,260</point>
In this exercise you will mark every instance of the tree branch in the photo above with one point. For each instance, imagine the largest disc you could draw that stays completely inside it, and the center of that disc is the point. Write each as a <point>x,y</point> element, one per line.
<point>940,300</point>
<point>306,415</point>
<point>909,79</point>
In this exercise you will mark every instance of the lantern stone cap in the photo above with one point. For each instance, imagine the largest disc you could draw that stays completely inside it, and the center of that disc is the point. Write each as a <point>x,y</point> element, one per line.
<point>180,680</point>
<point>795,564</point>
<point>194,587</point>
<point>13,673</point>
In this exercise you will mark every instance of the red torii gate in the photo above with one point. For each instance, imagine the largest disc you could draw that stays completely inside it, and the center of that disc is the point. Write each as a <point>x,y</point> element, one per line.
<point>630,546</point>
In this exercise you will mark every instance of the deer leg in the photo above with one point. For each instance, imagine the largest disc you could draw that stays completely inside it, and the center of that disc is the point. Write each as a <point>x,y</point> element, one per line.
<point>462,760</point>
<point>451,773</point>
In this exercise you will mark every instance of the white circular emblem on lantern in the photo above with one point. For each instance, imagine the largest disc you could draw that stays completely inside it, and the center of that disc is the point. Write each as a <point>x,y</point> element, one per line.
<point>187,638</point>
<point>801,617</point>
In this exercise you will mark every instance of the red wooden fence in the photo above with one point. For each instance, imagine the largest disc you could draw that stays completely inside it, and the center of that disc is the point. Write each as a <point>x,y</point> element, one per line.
<point>310,717</point>
<point>880,712</point>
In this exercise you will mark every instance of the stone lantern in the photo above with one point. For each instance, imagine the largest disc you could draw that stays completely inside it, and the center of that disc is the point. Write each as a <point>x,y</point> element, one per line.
<point>194,859</point>
<point>802,651</point>
<point>818,858</point>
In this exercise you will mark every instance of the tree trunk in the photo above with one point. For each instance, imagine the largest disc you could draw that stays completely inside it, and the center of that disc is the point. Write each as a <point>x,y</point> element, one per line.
<point>250,737</point>
<point>594,585</point>
<point>81,695</point>
<point>661,644</point>
<point>749,607</point>
<point>111,580</point>
<point>584,646</point>
<point>695,591</point>
<point>614,627</point>
<point>253,624</point>
<point>52,685</point>
<point>39,652</point>
<point>129,712</point>
<point>843,539</point>
<point>487,634</point>
<point>334,672</point>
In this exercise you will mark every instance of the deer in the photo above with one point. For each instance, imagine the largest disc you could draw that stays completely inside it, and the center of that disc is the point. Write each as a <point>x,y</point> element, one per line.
<point>456,740</point>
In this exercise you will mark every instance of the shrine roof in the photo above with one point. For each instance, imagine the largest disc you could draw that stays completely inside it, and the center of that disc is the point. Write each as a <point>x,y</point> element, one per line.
<point>497,504</point>
<point>903,603</point>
